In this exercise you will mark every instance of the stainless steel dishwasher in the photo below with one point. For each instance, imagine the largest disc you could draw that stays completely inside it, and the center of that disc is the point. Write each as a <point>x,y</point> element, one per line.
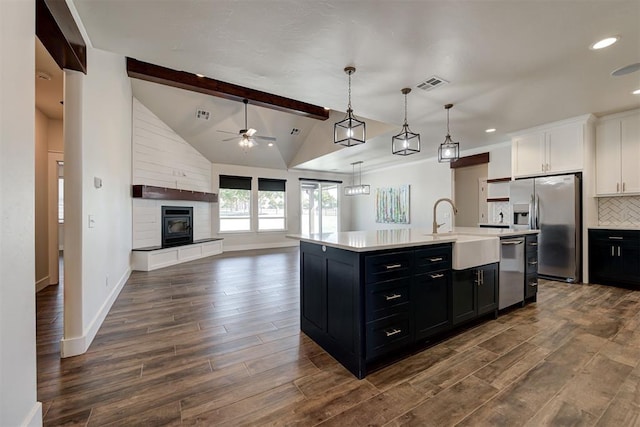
<point>511,271</point>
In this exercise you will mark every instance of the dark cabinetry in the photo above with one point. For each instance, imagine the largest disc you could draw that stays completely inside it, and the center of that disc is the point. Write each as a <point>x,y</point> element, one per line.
<point>614,257</point>
<point>475,292</point>
<point>361,307</point>
<point>531,267</point>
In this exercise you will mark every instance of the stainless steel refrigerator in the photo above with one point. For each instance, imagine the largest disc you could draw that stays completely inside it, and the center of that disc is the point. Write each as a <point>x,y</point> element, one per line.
<point>553,206</point>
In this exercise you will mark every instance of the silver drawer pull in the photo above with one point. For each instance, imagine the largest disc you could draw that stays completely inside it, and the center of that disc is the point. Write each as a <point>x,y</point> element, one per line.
<point>511,242</point>
<point>533,284</point>
<point>435,259</point>
<point>616,238</point>
<point>392,333</point>
<point>392,297</point>
<point>533,244</point>
<point>533,262</point>
<point>436,276</point>
<point>392,266</point>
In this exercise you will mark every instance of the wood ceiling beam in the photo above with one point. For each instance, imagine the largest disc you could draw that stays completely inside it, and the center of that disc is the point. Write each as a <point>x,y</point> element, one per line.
<point>476,159</point>
<point>181,79</point>
<point>58,32</point>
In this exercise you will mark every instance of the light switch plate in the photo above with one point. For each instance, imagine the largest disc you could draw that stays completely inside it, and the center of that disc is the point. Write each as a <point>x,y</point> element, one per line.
<point>97,182</point>
<point>92,221</point>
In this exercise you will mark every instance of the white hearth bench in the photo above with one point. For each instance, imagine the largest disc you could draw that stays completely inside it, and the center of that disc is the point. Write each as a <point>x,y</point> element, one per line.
<point>154,257</point>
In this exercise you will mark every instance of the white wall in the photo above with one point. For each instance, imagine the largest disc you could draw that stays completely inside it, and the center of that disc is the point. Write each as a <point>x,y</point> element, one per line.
<point>271,239</point>
<point>18,405</point>
<point>98,144</point>
<point>41,201</point>
<point>164,159</point>
<point>429,181</point>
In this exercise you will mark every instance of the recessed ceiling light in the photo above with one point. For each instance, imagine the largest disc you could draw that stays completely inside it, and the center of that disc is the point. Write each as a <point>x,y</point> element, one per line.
<point>604,43</point>
<point>199,75</point>
<point>636,92</point>
<point>490,130</point>
<point>270,144</point>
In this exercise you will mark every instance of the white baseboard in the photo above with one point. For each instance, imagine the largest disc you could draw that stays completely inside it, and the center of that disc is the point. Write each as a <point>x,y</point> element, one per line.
<point>261,246</point>
<point>79,345</point>
<point>42,283</point>
<point>34,417</point>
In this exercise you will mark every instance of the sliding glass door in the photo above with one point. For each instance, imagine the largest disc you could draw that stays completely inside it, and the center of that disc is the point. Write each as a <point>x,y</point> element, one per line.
<point>319,212</point>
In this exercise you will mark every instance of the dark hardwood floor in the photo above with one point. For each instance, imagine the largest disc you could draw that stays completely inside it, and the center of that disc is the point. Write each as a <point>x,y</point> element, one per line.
<point>217,342</point>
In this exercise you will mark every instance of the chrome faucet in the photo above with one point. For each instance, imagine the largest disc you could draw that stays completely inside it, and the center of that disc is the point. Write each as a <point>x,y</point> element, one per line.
<point>435,206</point>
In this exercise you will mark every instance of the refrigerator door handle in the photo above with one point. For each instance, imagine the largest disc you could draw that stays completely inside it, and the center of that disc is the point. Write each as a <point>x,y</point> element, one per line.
<point>532,225</point>
<point>536,213</point>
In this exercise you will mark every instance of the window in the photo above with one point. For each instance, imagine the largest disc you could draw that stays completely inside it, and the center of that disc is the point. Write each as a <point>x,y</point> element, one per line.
<point>272,212</point>
<point>235,203</point>
<point>319,211</point>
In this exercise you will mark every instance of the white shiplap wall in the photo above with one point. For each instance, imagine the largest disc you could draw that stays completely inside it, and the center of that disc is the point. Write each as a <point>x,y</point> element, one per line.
<point>163,159</point>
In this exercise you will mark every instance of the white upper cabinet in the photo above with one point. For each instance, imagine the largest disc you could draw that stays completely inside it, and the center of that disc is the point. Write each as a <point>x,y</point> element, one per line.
<point>618,154</point>
<point>551,149</point>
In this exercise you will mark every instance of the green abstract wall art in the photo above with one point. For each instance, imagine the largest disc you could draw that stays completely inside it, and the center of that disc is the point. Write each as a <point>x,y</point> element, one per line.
<point>392,205</point>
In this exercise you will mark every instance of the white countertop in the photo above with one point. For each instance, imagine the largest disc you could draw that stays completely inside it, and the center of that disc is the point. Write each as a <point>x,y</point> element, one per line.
<point>615,227</point>
<point>363,241</point>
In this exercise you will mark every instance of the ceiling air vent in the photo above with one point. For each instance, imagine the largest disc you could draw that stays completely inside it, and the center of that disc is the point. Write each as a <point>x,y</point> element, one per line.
<point>295,131</point>
<point>202,114</point>
<point>432,83</point>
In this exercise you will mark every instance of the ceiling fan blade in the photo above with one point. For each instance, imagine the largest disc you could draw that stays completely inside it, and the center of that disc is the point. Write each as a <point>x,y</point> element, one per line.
<point>265,138</point>
<point>235,138</point>
<point>230,133</point>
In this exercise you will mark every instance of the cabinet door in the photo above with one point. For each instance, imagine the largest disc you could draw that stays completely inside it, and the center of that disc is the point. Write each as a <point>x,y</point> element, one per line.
<point>314,289</point>
<point>630,146</point>
<point>487,293</point>
<point>528,154</point>
<point>629,261</point>
<point>464,305</point>
<point>608,157</point>
<point>564,148</point>
<point>430,299</point>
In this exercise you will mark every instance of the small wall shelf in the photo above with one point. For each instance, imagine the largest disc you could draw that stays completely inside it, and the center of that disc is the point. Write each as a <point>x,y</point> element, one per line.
<point>163,193</point>
<point>496,180</point>
<point>497,199</point>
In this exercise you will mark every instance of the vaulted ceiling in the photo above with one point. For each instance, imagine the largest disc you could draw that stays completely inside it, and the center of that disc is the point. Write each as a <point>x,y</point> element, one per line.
<point>510,65</point>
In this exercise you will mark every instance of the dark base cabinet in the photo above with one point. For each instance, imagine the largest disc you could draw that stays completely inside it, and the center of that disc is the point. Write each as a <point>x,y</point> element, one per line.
<point>531,268</point>
<point>368,308</point>
<point>614,257</point>
<point>475,293</point>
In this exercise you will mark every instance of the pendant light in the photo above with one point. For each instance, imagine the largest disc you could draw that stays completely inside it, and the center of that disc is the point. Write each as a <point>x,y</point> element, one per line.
<point>406,142</point>
<point>448,151</point>
<point>349,131</point>
<point>359,188</point>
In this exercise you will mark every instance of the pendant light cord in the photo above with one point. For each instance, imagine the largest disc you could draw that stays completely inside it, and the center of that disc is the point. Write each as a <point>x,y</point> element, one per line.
<point>349,105</point>
<point>405,109</point>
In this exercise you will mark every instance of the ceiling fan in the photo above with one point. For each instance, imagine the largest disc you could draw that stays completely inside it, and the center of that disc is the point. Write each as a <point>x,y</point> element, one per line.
<point>248,137</point>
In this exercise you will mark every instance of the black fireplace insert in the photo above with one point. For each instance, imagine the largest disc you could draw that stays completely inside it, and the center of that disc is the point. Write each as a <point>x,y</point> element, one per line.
<point>177,226</point>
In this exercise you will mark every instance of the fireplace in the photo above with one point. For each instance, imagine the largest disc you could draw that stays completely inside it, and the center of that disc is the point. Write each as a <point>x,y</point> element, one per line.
<point>177,226</point>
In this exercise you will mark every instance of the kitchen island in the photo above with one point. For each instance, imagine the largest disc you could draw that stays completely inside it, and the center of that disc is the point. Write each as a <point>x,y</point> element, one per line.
<point>368,297</point>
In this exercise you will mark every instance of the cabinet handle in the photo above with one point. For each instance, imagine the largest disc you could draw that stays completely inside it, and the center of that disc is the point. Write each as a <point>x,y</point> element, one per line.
<point>533,262</point>
<point>392,297</point>
<point>623,185</point>
<point>436,276</point>
<point>616,238</point>
<point>533,284</point>
<point>392,266</point>
<point>612,253</point>
<point>533,244</point>
<point>618,250</point>
<point>392,333</point>
<point>547,169</point>
<point>542,167</point>
<point>435,259</point>
<point>617,187</point>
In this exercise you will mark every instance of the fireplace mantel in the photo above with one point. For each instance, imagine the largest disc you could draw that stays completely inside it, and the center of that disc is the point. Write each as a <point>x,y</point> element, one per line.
<point>163,193</point>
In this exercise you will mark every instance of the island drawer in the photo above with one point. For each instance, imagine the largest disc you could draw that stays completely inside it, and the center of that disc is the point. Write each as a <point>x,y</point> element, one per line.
<point>433,259</point>
<point>387,334</point>
<point>388,266</point>
<point>386,298</point>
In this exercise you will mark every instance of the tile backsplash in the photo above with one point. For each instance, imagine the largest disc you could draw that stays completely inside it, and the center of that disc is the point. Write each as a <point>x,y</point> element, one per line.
<point>494,212</point>
<point>623,210</point>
